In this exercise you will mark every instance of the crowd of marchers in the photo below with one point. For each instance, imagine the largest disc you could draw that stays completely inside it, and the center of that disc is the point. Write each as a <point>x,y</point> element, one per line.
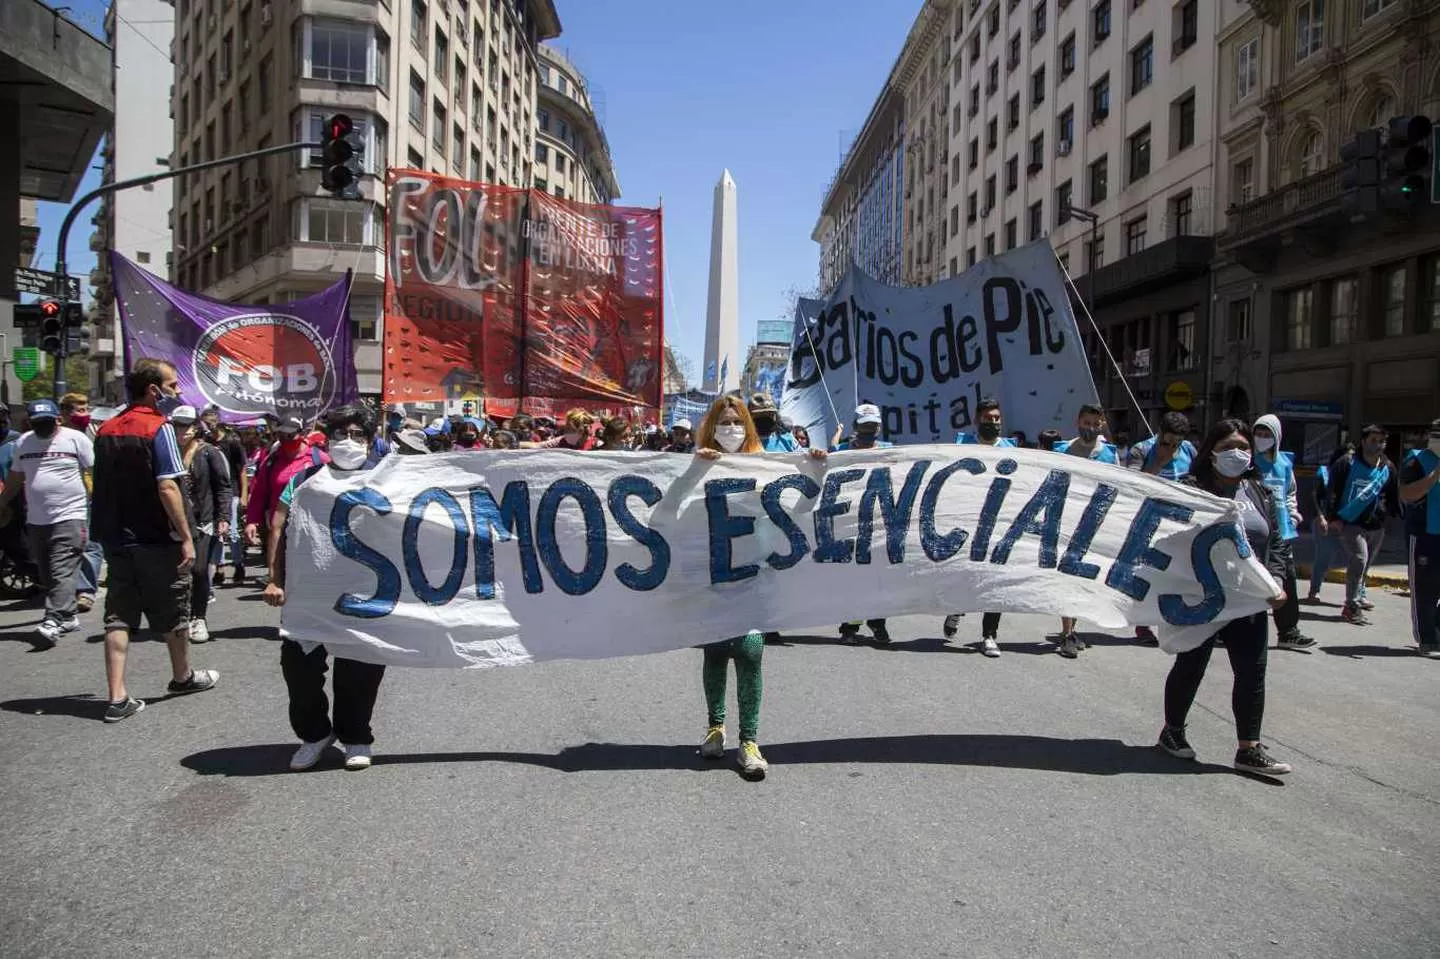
<point>159,497</point>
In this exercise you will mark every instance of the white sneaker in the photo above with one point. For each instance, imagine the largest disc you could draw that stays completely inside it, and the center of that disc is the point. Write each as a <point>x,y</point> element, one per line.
<point>309,754</point>
<point>199,632</point>
<point>990,648</point>
<point>357,756</point>
<point>48,631</point>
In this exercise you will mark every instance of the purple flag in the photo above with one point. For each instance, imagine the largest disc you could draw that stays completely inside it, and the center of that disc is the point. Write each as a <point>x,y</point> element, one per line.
<point>289,359</point>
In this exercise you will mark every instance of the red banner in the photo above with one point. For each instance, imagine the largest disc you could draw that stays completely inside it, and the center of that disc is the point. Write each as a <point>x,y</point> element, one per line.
<point>519,299</point>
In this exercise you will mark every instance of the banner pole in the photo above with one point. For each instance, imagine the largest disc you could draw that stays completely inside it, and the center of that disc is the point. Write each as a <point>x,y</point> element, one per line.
<point>820,368</point>
<point>1070,281</point>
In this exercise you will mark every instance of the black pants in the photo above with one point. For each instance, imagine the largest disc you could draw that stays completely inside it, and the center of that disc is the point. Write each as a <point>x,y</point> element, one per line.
<point>356,687</point>
<point>1287,617</point>
<point>990,626</point>
<point>1246,641</point>
<point>200,576</point>
<point>1425,590</point>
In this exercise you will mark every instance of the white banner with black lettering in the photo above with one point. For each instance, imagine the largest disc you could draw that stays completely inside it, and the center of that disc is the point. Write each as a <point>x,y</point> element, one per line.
<point>927,355</point>
<point>496,558</point>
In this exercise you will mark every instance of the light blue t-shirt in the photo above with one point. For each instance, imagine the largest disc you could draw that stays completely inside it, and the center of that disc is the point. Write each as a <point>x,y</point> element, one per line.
<point>1102,453</point>
<point>1004,442</point>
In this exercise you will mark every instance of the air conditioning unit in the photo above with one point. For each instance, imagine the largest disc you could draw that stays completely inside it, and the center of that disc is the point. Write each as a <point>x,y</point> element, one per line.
<point>985,210</point>
<point>266,15</point>
<point>211,23</point>
<point>1063,148</point>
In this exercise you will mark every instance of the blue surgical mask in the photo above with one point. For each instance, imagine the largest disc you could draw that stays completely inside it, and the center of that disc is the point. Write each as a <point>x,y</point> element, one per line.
<point>169,404</point>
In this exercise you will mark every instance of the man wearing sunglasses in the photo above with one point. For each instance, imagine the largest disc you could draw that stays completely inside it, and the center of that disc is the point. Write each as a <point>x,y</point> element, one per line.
<point>350,437</point>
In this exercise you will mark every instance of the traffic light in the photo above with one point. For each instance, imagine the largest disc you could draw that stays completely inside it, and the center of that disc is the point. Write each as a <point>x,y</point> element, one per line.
<point>51,319</point>
<point>77,341</point>
<point>1361,177</point>
<point>1405,163</point>
<point>52,327</point>
<point>340,151</point>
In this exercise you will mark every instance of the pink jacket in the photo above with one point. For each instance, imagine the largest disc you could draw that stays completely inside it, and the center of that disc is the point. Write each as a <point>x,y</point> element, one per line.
<point>272,478</point>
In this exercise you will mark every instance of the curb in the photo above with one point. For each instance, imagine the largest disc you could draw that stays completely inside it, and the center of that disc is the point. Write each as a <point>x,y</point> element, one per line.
<point>1376,579</point>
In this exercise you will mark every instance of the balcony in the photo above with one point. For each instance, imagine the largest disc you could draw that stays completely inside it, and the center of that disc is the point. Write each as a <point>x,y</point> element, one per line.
<point>1169,261</point>
<point>1255,230</point>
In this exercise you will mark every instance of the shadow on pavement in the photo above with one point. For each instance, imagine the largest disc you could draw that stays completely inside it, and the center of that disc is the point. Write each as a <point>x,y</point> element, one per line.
<point>271,633</point>
<point>77,705</point>
<point>27,636</point>
<point>1307,617</point>
<point>1095,757</point>
<point>1359,652</point>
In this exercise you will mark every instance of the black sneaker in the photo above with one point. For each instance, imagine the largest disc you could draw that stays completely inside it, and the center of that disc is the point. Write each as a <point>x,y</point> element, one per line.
<point>1145,636</point>
<point>115,712</point>
<point>772,638</point>
<point>1354,615</point>
<point>850,633</point>
<point>1257,760</point>
<point>198,681</point>
<point>1297,640</point>
<point>1173,741</point>
<point>238,576</point>
<point>1069,648</point>
<point>218,579</point>
<point>881,634</point>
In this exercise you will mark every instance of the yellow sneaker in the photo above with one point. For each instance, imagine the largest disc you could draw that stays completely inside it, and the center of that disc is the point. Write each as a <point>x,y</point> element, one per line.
<point>714,745</point>
<point>752,764</point>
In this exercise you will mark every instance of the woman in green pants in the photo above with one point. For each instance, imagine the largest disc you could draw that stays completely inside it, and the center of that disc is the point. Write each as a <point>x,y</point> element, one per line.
<point>728,428</point>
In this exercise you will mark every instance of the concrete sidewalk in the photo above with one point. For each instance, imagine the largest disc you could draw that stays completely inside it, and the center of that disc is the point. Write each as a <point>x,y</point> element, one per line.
<point>1391,568</point>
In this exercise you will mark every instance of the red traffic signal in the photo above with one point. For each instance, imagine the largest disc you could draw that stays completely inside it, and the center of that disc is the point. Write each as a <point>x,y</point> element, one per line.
<point>49,308</point>
<point>339,154</point>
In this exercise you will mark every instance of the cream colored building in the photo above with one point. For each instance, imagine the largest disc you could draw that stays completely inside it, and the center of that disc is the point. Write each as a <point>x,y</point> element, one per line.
<point>1331,319</point>
<point>920,73</point>
<point>442,85</point>
<point>572,155</point>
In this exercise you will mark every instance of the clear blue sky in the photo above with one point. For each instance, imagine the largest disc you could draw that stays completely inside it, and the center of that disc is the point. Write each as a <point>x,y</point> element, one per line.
<point>686,90</point>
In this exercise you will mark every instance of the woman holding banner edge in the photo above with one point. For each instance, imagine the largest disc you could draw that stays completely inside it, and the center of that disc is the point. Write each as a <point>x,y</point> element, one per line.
<point>1224,466</point>
<point>729,428</point>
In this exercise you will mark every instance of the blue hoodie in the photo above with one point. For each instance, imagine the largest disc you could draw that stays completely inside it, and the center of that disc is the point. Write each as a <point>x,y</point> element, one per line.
<point>1277,469</point>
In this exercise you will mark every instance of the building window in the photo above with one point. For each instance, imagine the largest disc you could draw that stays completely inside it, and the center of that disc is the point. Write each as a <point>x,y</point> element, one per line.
<point>1237,322</point>
<point>336,222</point>
<point>1012,114</point>
<point>1140,154</point>
<point>1183,122</point>
<point>955,168</point>
<point>1013,59</point>
<point>1310,158</point>
<point>1065,130</point>
<point>475,163</point>
<point>971,207</point>
<point>1095,252</point>
<point>1037,21</point>
<point>989,244</point>
<point>1182,344</point>
<point>1299,305</point>
<point>417,24</point>
<point>974,153</point>
<point>1012,175</point>
<point>992,78</point>
<point>1037,221</point>
<point>457,147</point>
<point>1142,65</point>
<point>1135,236</point>
<point>954,219</point>
<point>1037,154</point>
<point>974,47</point>
<point>1037,88</point>
<point>1309,28</point>
<point>1182,214</point>
<point>1187,26</point>
<point>993,24</point>
<point>1344,310</point>
<point>438,127</point>
<point>364,318</point>
<point>1064,196</point>
<point>542,153</point>
<point>1373,7</point>
<point>974,101</point>
<point>1430,304</point>
<point>338,52</point>
<point>1067,56</point>
<point>442,56</point>
<point>417,101</point>
<point>1100,23</point>
<point>989,194</point>
<point>992,134</point>
<point>1100,100</point>
<point>1247,68</point>
<point>1392,292</point>
<point>415,159</point>
<point>1011,235</point>
<point>969,257</point>
<point>1099,180</point>
<point>559,162</point>
<point>1242,181</point>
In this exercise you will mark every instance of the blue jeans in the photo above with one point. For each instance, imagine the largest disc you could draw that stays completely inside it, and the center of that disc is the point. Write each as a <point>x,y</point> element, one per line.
<point>90,560</point>
<point>230,545</point>
<point>1327,555</point>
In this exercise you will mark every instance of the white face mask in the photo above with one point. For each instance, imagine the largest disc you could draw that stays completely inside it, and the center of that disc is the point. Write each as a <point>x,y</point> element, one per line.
<point>1232,464</point>
<point>1264,443</point>
<point>348,454</point>
<point>730,437</point>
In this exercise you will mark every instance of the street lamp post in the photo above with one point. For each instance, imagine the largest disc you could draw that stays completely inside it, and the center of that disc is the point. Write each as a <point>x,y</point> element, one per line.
<point>1092,218</point>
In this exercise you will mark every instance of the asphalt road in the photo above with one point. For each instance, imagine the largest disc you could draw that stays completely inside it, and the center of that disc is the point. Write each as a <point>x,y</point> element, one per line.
<point>922,801</point>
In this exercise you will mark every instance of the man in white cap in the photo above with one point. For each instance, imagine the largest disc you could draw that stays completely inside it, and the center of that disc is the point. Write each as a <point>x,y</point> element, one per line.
<point>682,437</point>
<point>866,436</point>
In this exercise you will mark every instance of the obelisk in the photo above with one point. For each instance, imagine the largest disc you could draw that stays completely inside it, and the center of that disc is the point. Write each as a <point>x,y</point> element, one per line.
<point>722,314</point>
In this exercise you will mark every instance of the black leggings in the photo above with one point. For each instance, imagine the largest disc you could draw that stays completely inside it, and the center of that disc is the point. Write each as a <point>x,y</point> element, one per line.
<point>1247,643</point>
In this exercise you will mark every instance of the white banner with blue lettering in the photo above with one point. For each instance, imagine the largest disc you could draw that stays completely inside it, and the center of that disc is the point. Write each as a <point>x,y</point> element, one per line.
<point>495,558</point>
<point>1003,329</point>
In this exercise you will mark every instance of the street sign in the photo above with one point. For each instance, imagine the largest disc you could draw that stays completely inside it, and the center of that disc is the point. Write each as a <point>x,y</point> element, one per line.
<point>27,362</point>
<point>45,283</point>
<point>1179,396</point>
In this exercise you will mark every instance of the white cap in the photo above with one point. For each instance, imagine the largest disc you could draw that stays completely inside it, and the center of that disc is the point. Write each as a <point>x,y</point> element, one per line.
<point>683,424</point>
<point>867,413</point>
<point>184,415</point>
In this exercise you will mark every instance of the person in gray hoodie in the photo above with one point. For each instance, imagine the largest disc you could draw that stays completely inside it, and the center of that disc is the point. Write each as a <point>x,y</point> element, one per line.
<point>1277,471</point>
